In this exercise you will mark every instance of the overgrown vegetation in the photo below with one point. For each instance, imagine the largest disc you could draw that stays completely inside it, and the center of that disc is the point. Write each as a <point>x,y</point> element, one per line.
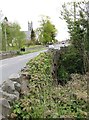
<point>44,100</point>
<point>76,16</point>
<point>70,61</point>
<point>75,59</point>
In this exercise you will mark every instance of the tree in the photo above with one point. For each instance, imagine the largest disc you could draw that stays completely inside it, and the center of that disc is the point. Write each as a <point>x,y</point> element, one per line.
<point>77,23</point>
<point>33,37</point>
<point>15,37</point>
<point>47,31</point>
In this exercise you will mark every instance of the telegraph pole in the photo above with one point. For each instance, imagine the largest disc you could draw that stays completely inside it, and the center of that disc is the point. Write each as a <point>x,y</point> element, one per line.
<point>87,11</point>
<point>5,23</point>
<point>74,11</point>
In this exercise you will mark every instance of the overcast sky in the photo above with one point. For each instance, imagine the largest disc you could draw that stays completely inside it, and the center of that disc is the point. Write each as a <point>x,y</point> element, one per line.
<point>22,11</point>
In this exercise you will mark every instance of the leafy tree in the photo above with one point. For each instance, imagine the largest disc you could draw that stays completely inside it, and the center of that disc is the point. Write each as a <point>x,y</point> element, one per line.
<point>18,37</point>
<point>77,22</point>
<point>47,31</point>
<point>15,37</point>
<point>32,34</point>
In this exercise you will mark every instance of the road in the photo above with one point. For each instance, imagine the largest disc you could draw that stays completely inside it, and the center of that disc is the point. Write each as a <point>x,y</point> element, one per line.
<point>14,65</point>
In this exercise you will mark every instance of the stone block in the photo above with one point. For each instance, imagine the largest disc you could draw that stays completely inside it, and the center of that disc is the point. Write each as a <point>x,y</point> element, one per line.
<point>5,108</point>
<point>15,77</point>
<point>8,86</point>
<point>9,97</point>
<point>17,86</point>
<point>17,94</point>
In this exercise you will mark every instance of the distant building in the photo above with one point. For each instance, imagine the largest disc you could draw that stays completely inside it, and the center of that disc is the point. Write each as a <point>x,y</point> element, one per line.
<point>28,33</point>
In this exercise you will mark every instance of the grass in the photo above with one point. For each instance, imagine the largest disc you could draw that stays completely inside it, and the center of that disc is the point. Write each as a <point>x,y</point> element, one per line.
<point>33,46</point>
<point>32,50</point>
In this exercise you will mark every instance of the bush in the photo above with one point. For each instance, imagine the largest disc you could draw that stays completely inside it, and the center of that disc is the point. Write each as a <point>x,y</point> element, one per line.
<point>70,62</point>
<point>63,76</point>
<point>18,53</point>
<point>73,62</point>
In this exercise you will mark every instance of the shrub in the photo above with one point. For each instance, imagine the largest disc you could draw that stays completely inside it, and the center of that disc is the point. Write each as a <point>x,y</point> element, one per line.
<point>73,62</point>
<point>63,75</point>
<point>70,61</point>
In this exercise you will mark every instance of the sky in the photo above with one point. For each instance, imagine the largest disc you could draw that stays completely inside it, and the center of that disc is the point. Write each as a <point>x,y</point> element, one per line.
<point>22,11</point>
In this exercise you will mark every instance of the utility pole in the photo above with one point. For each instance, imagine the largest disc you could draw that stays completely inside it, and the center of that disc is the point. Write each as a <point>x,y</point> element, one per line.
<point>87,11</point>
<point>74,11</point>
<point>5,23</point>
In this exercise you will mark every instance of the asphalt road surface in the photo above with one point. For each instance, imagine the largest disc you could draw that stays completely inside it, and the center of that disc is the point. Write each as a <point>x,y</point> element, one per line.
<point>14,65</point>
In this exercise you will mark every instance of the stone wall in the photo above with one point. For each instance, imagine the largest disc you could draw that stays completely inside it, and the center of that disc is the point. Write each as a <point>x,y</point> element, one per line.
<point>56,64</point>
<point>10,91</point>
<point>8,54</point>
